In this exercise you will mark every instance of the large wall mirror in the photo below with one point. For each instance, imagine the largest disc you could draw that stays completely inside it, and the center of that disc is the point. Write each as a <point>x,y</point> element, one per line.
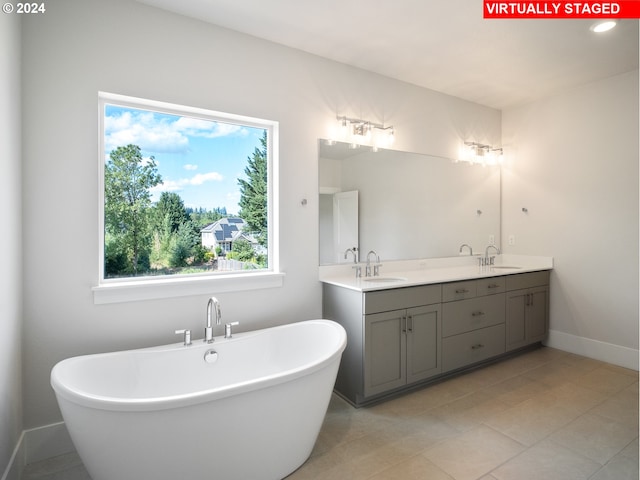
<point>403,205</point>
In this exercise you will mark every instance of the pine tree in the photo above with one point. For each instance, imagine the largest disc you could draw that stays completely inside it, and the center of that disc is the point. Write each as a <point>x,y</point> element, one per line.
<point>253,193</point>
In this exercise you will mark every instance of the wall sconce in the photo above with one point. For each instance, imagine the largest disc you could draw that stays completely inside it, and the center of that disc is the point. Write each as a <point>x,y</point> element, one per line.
<point>356,130</point>
<point>479,153</point>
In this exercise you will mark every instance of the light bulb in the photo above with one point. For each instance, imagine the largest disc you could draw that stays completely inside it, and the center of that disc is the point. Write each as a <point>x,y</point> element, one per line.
<point>343,129</point>
<point>605,26</point>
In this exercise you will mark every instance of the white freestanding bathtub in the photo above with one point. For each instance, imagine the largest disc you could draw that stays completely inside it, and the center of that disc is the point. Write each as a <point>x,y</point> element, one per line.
<point>165,413</point>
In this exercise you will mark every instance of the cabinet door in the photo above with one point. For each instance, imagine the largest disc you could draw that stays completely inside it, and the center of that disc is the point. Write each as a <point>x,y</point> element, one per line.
<point>516,336</point>
<point>385,351</point>
<point>536,315</point>
<point>423,342</point>
<point>527,316</point>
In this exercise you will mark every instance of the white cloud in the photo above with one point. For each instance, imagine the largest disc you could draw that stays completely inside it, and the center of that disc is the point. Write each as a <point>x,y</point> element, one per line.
<point>151,134</point>
<point>161,134</point>
<point>200,178</point>
<point>169,185</point>
<point>196,127</point>
<point>188,166</point>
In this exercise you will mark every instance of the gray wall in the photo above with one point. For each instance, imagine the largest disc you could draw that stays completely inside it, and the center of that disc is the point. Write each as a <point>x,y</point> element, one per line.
<point>575,168</point>
<point>81,47</point>
<point>10,240</point>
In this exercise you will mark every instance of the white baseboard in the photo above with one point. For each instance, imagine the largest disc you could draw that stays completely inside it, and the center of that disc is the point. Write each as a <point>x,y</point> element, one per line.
<point>603,351</point>
<point>46,442</point>
<point>16,462</point>
<point>38,444</point>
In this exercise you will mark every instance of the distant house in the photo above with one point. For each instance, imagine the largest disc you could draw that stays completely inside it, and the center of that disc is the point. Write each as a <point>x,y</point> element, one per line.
<point>223,233</point>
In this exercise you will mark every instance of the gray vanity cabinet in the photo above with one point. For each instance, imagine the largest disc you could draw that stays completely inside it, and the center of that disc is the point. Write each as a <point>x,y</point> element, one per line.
<point>527,309</point>
<point>402,337</point>
<point>401,347</point>
<point>473,322</point>
<point>393,338</point>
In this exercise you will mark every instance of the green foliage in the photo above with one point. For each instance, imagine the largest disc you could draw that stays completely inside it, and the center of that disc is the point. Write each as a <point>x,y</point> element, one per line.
<point>201,254</point>
<point>183,243</point>
<point>142,238</point>
<point>128,180</point>
<point>242,250</point>
<point>115,256</point>
<point>253,193</point>
<point>174,233</point>
<point>203,217</point>
<point>208,255</point>
<point>169,212</point>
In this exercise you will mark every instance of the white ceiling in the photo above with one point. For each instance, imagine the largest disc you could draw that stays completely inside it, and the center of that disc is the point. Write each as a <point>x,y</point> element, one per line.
<point>444,45</point>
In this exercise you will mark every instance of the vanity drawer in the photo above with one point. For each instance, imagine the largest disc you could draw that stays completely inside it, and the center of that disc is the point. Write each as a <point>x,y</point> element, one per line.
<point>458,290</point>
<point>401,298</point>
<point>472,314</point>
<point>491,285</point>
<point>527,280</point>
<point>472,347</point>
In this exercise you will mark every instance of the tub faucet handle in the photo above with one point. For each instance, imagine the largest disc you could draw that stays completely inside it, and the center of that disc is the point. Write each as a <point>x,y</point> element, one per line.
<point>227,329</point>
<point>187,336</point>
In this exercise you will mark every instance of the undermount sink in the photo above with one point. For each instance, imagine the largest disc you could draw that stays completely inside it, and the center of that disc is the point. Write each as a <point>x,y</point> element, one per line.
<point>384,279</point>
<point>505,267</point>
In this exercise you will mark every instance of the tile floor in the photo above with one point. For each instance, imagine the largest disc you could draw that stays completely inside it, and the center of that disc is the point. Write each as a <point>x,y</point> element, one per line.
<point>545,414</point>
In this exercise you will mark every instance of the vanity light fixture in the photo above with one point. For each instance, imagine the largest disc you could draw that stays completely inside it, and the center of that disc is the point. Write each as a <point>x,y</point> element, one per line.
<point>356,130</point>
<point>479,153</point>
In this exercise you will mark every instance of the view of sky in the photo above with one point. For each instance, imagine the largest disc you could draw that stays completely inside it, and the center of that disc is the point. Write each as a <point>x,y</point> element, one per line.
<point>200,160</point>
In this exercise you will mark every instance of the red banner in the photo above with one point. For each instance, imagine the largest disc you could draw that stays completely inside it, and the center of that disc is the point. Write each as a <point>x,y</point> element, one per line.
<point>561,9</point>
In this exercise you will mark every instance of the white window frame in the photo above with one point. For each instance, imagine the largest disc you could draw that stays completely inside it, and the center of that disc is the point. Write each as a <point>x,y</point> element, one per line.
<point>110,290</point>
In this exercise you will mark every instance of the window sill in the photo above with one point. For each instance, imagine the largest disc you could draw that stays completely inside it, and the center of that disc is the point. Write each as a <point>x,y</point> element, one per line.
<point>153,289</point>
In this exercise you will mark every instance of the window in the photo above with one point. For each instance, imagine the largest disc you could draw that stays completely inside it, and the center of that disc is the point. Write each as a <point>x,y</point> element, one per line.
<point>184,193</point>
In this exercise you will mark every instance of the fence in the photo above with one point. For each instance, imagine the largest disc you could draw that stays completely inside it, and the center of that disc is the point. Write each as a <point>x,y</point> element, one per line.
<point>225,265</point>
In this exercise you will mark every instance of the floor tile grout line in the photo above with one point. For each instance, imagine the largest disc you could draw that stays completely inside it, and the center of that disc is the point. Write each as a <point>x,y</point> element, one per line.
<point>529,448</point>
<point>405,413</point>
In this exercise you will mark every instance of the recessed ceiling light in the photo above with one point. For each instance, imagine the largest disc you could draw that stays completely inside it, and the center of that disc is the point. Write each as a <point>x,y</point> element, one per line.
<point>603,26</point>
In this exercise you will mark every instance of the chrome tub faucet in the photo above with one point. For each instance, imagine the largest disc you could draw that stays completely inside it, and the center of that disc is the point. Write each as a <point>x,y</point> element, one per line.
<point>213,306</point>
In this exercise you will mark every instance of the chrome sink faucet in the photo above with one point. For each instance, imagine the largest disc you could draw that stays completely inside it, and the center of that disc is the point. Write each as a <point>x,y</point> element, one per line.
<point>353,251</point>
<point>356,267</point>
<point>376,266</point>
<point>213,306</point>
<point>489,260</point>
<point>468,246</point>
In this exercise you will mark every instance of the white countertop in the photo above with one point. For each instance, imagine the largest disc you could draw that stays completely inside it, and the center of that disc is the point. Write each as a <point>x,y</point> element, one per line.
<point>422,272</point>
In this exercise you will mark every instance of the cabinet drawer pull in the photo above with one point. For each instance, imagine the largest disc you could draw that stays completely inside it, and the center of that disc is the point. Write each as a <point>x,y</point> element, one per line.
<point>477,346</point>
<point>410,324</point>
<point>479,313</point>
<point>493,285</point>
<point>462,290</point>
